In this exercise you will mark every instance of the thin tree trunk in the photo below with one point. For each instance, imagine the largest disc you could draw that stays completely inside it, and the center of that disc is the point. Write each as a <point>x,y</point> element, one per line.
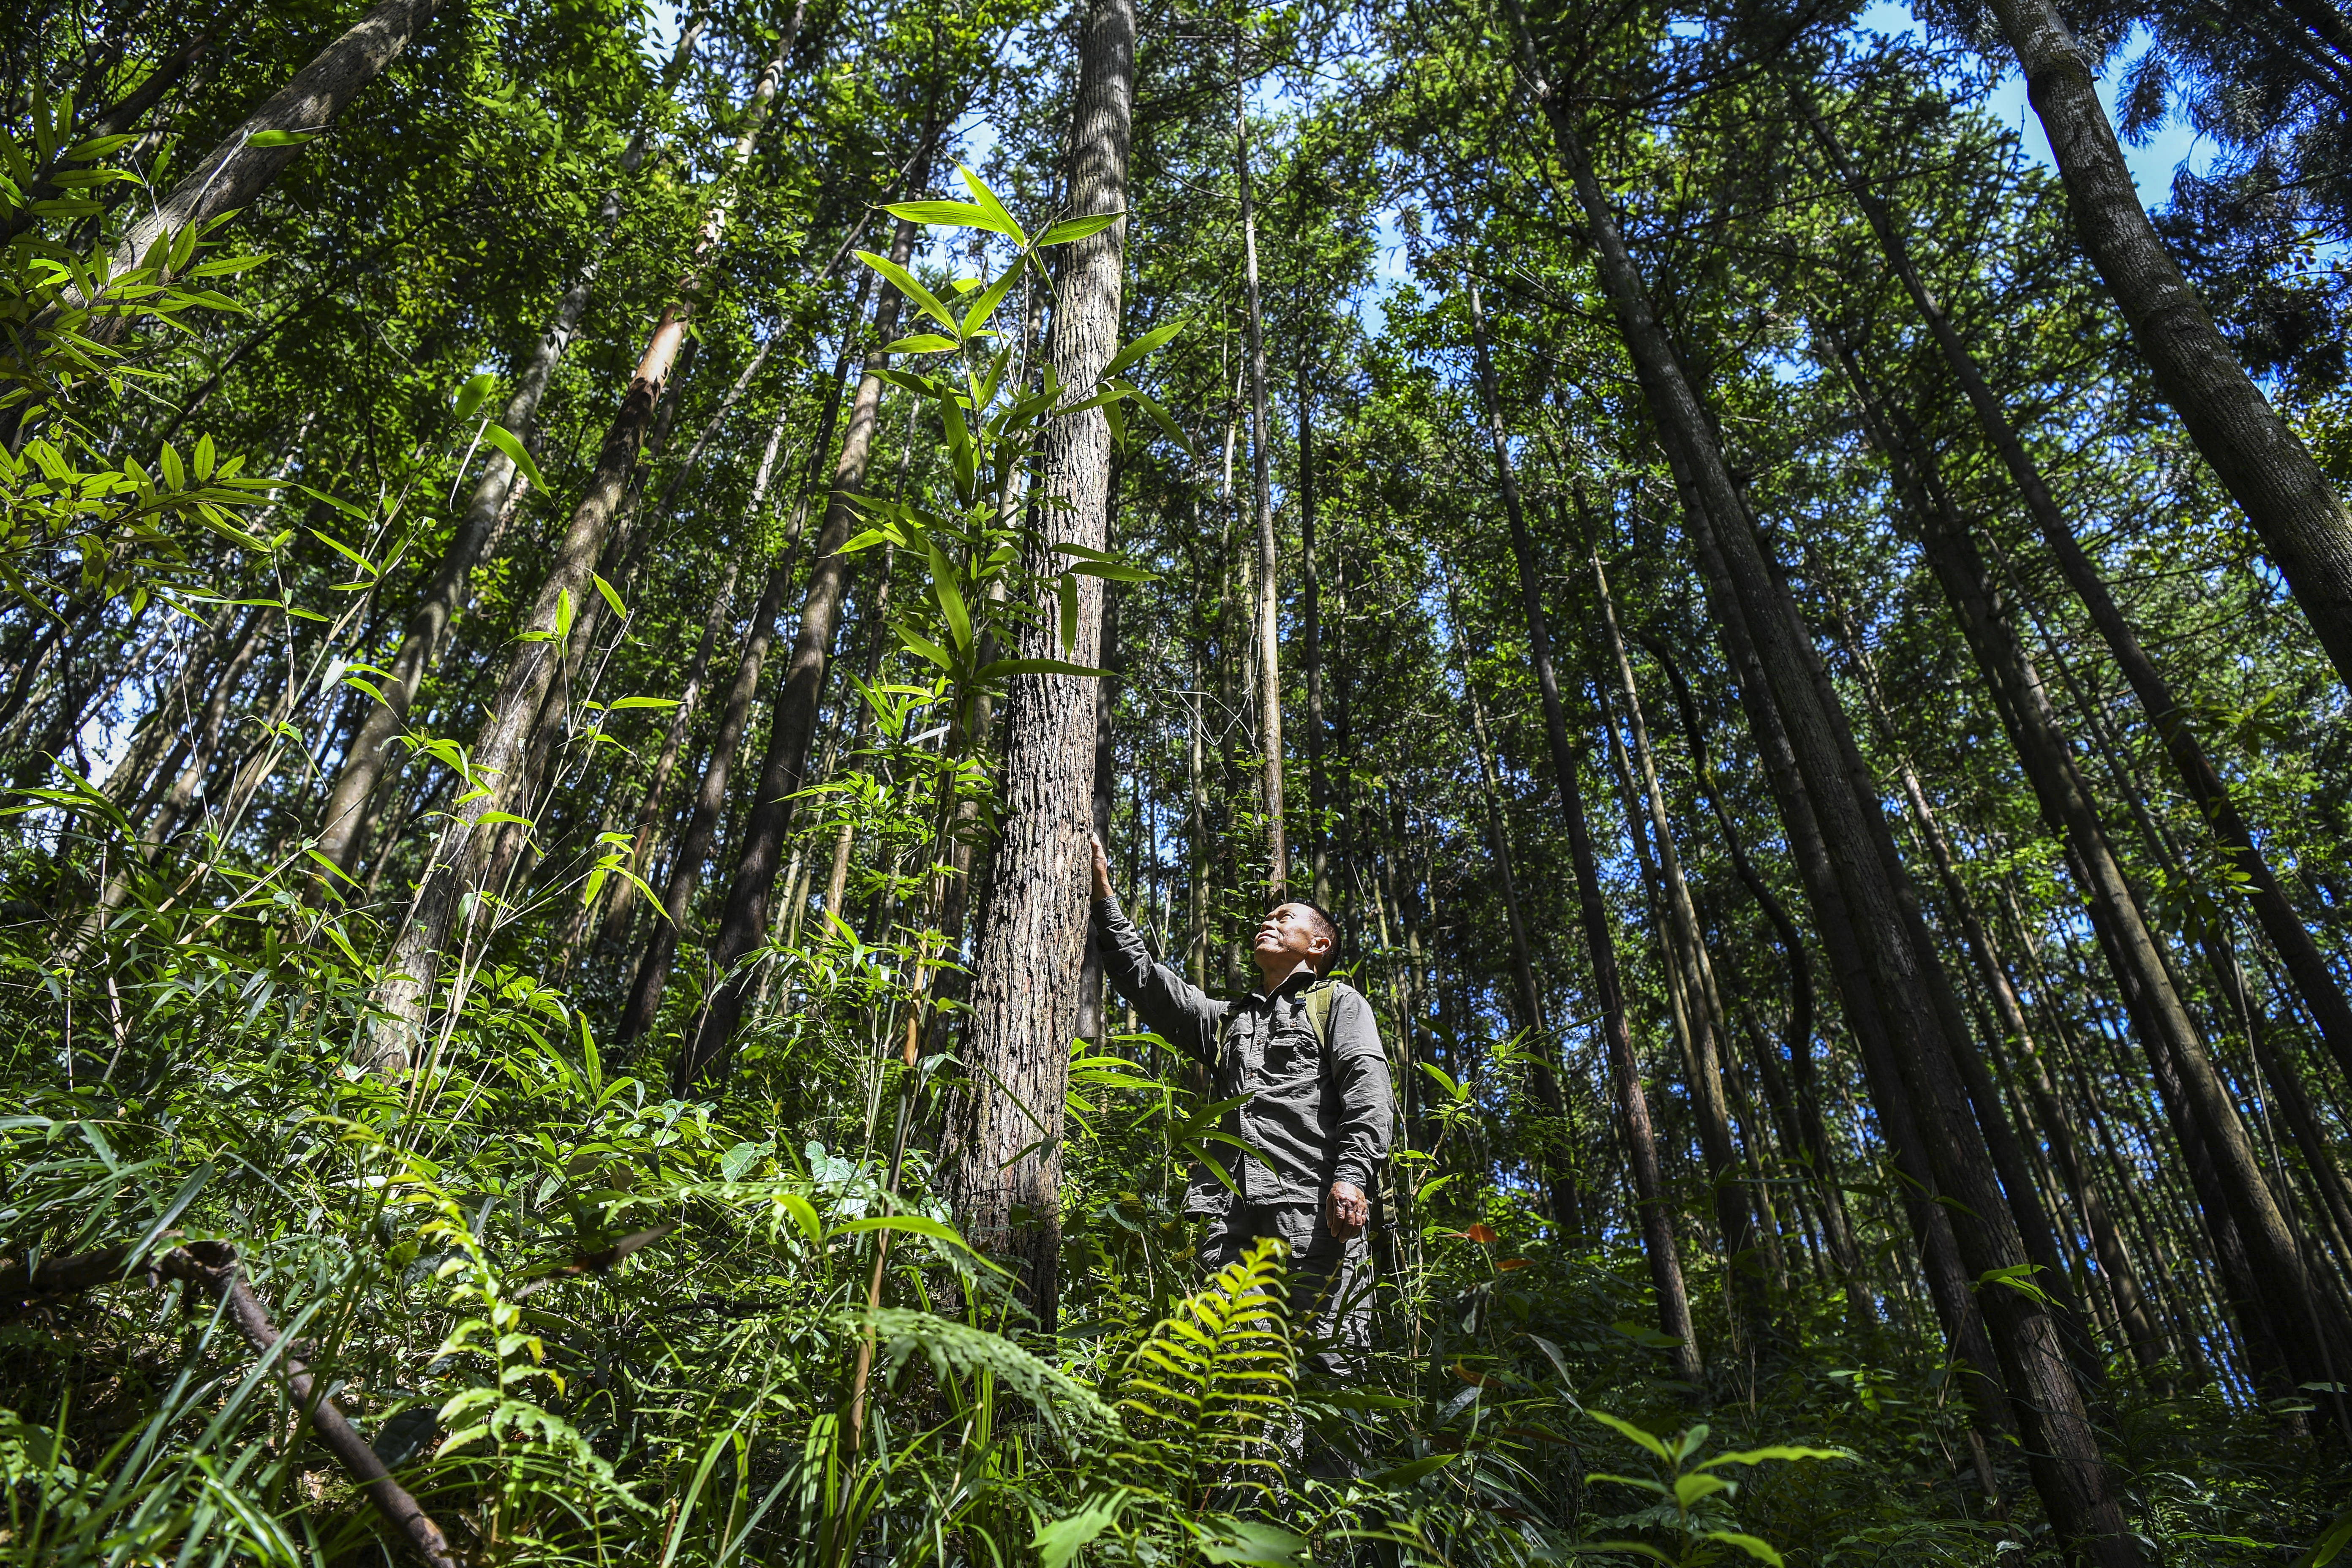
<point>2304,524</point>
<point>237,171</point>
<point>458,861</point>
<point>2291,1297</point>
<point>1268,629</point>
<point>681,717</point>
<point>1559,1181</point>
<point>1024,996</point>
<point>1655,1215</point>
<point>1734,1220</point>
<point>1812,1134</point>
<point>2069,1472</point>
<point>709,802</point>
<point>837,881</point>
<point>743,922</point>
<point>343,821</point>
<point>2313,979</point>
<point>1319,792</point>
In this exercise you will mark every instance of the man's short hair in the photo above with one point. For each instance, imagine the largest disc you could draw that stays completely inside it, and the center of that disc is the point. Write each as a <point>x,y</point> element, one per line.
<point>1330,928</point>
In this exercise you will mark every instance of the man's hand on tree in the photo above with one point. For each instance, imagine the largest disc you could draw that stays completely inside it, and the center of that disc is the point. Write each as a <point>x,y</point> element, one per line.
<point>1348,1210</point>
<point>1101,869</point>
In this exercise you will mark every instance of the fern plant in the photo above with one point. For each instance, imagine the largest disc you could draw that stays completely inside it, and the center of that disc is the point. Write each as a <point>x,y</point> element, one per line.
<point>1207,1400</point>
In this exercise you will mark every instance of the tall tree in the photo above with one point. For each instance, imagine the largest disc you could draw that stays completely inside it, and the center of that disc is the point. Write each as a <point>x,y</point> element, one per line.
<point>1024,1001</point>
<point>2304,524</point>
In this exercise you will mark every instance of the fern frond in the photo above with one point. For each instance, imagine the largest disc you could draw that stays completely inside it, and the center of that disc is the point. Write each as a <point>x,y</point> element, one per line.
<point>1207,1396</point>
<point>1072,1411</point>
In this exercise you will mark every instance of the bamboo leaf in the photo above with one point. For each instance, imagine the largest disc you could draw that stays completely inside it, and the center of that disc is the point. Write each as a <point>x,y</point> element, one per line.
<point>923,299</point>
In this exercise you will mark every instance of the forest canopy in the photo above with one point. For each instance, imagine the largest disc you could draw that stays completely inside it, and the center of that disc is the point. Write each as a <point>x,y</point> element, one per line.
<point>646,653</point>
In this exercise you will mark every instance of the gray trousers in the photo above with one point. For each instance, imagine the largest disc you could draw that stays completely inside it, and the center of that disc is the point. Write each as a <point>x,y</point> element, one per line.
<point>1330,1280</point>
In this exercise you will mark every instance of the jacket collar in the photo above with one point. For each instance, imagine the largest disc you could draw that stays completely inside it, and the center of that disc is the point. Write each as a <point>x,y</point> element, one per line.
<point>1301,979</point>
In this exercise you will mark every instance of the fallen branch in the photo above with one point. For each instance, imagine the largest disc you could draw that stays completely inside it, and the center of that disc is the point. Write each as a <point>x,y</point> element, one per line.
<point>212,1267</point>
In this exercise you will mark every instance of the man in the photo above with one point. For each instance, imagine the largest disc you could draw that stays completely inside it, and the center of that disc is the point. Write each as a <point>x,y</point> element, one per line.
<point>1317,1105</point>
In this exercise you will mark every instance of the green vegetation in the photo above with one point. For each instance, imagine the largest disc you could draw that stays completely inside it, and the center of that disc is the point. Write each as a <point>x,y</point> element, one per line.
<point>574,576</point>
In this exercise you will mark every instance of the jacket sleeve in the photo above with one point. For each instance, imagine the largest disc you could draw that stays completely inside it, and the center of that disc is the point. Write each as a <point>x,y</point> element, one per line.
<point>1367,1099</point>
<point>1173,1008</point>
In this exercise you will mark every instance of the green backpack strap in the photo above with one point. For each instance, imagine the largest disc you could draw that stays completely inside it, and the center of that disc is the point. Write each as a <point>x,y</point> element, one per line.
<point>1317,1002</point>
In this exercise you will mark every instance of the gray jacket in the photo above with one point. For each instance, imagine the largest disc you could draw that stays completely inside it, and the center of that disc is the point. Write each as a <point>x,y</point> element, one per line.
<point>1318,1114</point>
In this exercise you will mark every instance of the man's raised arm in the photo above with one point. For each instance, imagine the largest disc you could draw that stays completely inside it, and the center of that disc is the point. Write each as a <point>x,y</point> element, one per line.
<point>1171,1006</point>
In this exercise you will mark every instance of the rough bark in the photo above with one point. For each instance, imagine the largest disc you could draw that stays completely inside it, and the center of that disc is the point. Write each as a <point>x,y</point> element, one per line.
<point>2304,524</point>
<point>1004,1183</point>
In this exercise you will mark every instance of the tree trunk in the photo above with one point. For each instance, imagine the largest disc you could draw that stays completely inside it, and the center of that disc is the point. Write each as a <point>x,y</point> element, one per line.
<point>1268,629</point>
<point>1544,1048</point>
<point>234,172</point>
<point>459,860</point>
<point>681,718</point>
<point>1810,1132</point>
<point>1317,789</point>
<point>743,922</point>
<point>2313,979</point>
<point>2068,1469</point>
<point>1734,1220</point>
<point>1655,1216</point>
<point>1024,996</point>
<point>2291,1298</point>
<point>2304,524</point>
<point>344,821</point>
<point>701,828</point>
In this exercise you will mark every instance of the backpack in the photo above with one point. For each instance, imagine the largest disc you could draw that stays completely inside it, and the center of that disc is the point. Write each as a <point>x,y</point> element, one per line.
<point>1317,1002</point>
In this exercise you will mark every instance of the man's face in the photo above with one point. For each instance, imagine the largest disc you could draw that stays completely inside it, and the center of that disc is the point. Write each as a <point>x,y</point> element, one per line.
<point>1287,937</point>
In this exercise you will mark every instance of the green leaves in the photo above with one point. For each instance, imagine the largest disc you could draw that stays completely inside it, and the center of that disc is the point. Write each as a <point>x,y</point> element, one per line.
<point>282,138</point>
<point>505,440</point>
<point>470,395</point>
<point>1699,1498</point>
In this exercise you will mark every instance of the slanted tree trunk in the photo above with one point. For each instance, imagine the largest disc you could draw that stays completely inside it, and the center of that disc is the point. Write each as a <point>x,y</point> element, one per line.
<point>236,171</point>
<point>1655,1216</point>
<point>2302,1319</point>
<point>344,821</point>
<point>2122,1281</point>
<point>2304,524</point>
<point>649,810</point>
<point>2068,1471</point>
<point>1025,1001</point>
<point>743,922</point>
<point>1268,627</point>
<point>702,826</point>
<point>2313,979</point>
<point>1559,1177</point>
<point>1735,1218</point>
<point>458,860</point>
<point>1811,1137</point>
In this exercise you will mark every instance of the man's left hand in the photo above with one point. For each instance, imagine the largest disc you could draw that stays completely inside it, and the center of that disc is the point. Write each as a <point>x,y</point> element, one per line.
<point>1348,1210</point>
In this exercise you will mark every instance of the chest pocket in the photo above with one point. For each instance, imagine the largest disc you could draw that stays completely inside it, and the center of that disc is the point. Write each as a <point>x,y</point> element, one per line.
<point>1294,1054</point>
